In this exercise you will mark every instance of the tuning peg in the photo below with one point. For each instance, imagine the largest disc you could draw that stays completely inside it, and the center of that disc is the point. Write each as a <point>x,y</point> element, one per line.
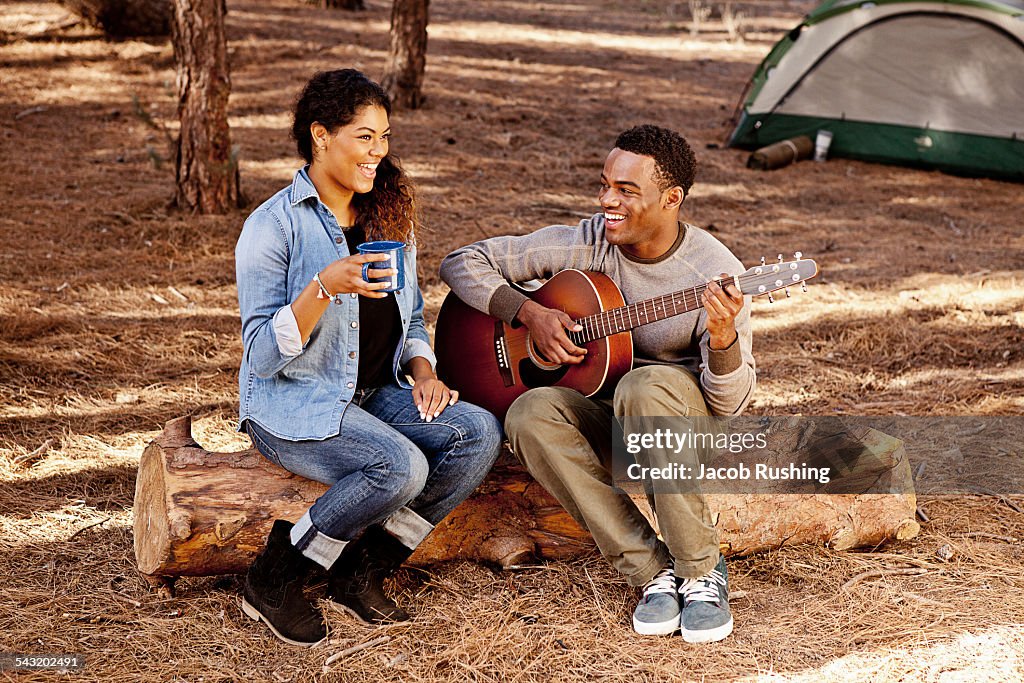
<point>787,292</point>
<point>803,286</point>
<point>780,258</point>
<point>762,260</point>
<point>771,299</point>
<point>798,255</point>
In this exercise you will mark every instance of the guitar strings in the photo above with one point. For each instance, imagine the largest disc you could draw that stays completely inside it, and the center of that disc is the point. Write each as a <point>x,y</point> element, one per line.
<point>613,321</point>
<point>616,320</point>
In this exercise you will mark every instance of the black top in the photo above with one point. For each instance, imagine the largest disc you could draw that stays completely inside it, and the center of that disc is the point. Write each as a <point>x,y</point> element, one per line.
<point>380,330</point>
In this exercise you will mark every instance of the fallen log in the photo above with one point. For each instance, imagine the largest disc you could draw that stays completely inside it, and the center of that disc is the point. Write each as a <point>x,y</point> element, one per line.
<point>868,497</point>
<point>200,513</point>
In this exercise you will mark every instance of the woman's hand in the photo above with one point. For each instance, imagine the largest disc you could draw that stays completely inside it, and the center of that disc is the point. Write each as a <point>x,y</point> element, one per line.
<point>432,396</point>
<point>345,276</point>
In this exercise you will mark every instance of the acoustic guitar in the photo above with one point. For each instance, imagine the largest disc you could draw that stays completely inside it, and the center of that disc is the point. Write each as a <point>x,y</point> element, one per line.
<point>492,363</point>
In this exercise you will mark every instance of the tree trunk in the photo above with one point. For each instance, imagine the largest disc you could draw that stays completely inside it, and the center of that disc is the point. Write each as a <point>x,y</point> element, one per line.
<point>407,56</point>
<point>206,168</point>
<point>125,18</point>
<point>199,513</point>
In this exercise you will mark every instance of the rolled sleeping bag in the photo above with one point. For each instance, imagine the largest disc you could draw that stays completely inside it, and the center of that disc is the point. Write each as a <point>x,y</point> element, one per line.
<point>781,153</point>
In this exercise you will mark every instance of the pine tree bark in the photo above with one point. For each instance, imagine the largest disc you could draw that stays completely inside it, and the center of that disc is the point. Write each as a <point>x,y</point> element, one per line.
<point>407,55</point>
<point>206,170</point>
<point>200,513</point>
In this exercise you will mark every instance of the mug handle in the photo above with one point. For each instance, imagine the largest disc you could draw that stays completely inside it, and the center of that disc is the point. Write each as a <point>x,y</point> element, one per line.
<point>376,264</point>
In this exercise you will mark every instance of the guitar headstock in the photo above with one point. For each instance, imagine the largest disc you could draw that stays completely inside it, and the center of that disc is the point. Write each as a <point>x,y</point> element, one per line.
<point>769,277</point>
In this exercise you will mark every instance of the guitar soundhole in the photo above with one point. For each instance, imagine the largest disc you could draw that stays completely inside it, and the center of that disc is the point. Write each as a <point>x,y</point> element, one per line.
<point>538,358</point>
<point>533,376</point>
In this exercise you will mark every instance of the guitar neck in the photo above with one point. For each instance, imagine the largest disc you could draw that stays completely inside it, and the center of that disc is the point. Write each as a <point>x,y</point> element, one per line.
<point>624,318</point>
<point>763,279</point>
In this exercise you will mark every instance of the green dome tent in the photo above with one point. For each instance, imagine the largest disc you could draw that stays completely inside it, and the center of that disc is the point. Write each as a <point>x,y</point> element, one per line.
<point>936,84</point>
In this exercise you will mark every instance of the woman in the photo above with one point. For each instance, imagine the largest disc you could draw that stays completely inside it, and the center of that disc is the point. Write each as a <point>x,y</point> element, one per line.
<point>323,375</point>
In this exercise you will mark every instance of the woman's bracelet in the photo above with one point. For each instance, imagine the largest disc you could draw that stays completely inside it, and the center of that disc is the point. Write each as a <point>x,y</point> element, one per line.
<point>323,293</point>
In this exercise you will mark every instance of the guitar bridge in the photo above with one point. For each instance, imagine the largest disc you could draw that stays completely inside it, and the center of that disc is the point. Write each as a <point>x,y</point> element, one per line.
<point>501,354</point>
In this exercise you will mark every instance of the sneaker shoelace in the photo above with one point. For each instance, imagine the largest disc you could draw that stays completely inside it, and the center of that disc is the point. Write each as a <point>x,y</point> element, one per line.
<point>663,582</point>
<point>704,588</point>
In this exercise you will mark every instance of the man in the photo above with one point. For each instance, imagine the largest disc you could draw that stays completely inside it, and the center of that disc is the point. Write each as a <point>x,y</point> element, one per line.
<point>694,364</point>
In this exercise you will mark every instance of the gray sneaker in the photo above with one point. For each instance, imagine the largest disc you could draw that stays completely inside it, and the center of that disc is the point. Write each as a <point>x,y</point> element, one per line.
<point>705,616</point>
<point>657,614</point>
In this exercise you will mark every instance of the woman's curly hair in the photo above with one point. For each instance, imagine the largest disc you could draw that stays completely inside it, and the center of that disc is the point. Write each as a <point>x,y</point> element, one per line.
<point>334,99</point>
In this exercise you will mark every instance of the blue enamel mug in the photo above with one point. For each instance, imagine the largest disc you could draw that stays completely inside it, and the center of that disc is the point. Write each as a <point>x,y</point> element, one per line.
<point>396,260</point>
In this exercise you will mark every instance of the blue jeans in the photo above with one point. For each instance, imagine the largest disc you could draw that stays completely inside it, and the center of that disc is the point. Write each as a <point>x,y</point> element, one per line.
<point>386,464</point>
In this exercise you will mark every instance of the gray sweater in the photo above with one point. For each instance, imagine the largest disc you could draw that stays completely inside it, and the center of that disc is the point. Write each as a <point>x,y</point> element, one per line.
<point>479,274</point>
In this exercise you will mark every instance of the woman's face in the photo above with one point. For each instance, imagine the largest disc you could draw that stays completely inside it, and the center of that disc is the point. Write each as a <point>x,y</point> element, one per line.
<point>353,151</point>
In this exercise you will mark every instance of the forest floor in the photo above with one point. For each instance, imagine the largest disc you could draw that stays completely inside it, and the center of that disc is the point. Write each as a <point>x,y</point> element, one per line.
<point>118,313</point>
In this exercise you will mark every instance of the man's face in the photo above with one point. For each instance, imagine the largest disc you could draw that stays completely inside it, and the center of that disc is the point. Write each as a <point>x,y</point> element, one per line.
<point>635,209</point>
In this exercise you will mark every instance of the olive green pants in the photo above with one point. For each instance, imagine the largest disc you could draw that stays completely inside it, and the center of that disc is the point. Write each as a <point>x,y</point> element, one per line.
<point>564,440</point>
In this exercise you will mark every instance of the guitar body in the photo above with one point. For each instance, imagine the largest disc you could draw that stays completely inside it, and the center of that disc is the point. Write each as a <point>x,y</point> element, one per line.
<point>492,363</point>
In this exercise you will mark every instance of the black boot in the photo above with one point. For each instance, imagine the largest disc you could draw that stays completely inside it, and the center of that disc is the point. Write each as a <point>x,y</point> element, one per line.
<point>356,581</point>
<point>273,590</point>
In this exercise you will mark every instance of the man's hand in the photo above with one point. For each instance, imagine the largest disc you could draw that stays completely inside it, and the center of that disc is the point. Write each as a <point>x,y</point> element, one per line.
<point>722,307</point>
<point>547,328</point>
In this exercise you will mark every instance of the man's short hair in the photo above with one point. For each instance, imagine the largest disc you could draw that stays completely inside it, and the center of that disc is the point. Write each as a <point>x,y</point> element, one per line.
<point>674,161</point>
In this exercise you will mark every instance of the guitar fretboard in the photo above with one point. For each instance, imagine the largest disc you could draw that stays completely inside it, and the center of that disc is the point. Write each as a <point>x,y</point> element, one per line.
<point>616,320</point>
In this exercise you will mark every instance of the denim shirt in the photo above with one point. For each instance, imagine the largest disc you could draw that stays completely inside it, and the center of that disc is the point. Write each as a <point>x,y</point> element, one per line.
<point>283,244</point>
